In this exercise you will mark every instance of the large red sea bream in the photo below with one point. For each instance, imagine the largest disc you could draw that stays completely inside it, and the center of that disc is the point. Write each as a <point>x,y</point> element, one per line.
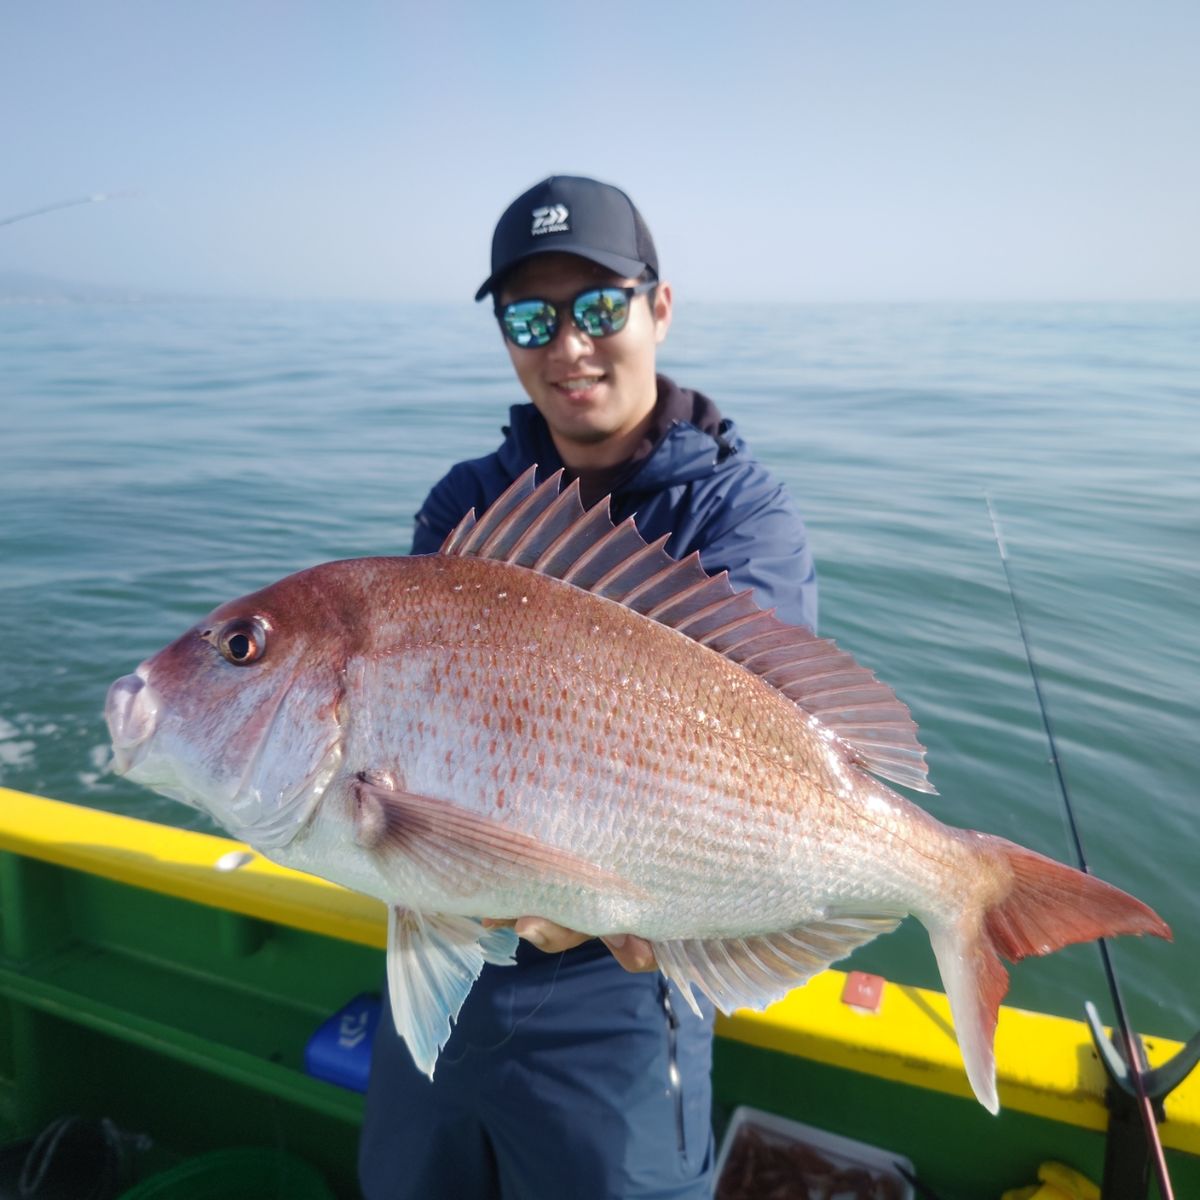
<point>552,718</point>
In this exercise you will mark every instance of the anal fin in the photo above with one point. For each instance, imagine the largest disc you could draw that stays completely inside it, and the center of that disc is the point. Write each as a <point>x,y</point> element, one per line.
<point>432,963</point>
<point>753,972</point>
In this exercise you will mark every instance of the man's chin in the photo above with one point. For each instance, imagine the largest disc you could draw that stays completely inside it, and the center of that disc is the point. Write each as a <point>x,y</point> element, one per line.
<point>583,426</point>
<point>584,435</point>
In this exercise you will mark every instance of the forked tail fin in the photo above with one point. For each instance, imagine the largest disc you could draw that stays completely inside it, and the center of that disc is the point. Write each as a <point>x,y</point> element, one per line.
<point>1042,906</point>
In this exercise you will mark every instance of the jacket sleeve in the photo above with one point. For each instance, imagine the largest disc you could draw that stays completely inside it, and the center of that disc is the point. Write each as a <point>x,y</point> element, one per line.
<point>754,532</point>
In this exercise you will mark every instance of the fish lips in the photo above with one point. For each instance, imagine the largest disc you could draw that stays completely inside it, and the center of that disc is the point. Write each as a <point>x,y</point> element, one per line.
<point>131,711</point>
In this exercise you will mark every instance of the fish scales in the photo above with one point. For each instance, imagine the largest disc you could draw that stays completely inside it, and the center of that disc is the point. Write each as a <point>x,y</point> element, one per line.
<point>526,699</point>
<point>572,734</point>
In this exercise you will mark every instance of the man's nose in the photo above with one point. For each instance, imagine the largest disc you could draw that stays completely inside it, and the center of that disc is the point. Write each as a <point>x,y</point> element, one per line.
<point>571,344</point>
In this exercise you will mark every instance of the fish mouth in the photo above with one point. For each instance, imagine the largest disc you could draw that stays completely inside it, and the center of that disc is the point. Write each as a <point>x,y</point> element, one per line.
<point>131,711</point>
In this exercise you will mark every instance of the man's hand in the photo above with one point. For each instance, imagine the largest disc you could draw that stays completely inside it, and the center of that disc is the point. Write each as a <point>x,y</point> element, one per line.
<point>633,953</point>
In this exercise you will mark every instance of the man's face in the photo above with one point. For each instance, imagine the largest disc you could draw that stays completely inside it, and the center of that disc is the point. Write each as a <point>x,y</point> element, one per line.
<point>595,393</point>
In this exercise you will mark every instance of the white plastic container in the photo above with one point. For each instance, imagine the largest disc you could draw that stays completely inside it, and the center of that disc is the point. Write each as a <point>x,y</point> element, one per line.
<point>792,1149</point>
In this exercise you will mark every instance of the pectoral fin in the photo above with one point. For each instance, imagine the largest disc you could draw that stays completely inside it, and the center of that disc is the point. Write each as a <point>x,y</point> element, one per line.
<point>753,972</point>
<point>432,963</point>
<point>465,851</point>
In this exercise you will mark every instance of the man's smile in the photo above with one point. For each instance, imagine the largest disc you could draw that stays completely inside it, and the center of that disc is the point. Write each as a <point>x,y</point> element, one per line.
<point>578,386</point>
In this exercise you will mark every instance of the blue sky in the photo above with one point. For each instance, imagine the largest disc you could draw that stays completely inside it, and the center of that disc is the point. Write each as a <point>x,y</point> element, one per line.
<point>844,150</point>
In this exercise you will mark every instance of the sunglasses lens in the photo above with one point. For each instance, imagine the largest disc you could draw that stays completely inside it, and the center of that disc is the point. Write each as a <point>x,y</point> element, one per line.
<point>601,312</point>
<point>529,323</point>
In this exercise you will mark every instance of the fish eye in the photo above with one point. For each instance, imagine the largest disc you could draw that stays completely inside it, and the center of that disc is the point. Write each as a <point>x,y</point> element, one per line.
<point>242,641</point>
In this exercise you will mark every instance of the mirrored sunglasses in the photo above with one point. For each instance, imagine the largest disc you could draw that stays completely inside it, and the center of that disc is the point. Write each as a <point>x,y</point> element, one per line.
<point>598,312</point>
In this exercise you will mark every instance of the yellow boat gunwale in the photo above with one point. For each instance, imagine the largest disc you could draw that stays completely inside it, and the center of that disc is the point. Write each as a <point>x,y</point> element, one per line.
<point>1045,1065</point>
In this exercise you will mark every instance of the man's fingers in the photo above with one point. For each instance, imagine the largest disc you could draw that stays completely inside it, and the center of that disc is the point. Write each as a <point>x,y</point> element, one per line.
<point>633,953</point>
<point>548,936</point>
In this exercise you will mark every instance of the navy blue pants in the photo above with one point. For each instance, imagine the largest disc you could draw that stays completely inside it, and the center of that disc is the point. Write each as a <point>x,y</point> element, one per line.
<point>565,1076</point>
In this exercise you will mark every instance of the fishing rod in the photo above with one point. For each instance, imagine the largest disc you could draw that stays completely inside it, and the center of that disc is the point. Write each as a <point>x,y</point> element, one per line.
<point>96,198</point>
<point>1134,1057</point>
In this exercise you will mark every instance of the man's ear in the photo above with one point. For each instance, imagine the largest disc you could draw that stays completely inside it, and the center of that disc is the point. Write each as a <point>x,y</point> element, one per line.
<point>663,300</point>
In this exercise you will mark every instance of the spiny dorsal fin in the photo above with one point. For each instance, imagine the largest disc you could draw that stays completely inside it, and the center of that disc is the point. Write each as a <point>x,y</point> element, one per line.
<point>549,531</point>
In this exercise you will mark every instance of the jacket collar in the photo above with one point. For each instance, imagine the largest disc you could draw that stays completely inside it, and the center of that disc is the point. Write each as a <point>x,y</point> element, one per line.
<point>683,454</point>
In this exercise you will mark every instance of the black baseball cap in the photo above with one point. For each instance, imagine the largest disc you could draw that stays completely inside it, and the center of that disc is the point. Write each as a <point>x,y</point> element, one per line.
<point>572,215</point>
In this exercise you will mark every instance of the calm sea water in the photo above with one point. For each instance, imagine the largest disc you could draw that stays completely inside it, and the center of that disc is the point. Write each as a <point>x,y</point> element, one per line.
<point>158,458</point>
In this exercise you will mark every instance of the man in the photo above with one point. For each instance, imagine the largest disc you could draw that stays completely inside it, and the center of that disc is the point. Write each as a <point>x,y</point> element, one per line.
<point>580,1072</point>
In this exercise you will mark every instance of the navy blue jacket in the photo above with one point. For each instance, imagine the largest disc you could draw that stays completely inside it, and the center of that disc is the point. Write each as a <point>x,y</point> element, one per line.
<point>708,492</point>
<point>613,1066</point>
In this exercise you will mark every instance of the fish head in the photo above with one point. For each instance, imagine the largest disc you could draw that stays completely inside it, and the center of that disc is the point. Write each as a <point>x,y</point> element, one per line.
<point>241,716</point>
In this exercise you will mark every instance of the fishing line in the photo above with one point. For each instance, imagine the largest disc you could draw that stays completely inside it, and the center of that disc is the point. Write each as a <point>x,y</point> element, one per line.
<point>96,198</point>
<point>516,1023</point>
<point>1133,1046</point>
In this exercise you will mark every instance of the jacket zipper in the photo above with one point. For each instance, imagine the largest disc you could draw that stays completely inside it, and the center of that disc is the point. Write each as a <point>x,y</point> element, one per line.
<point>673,1076</point>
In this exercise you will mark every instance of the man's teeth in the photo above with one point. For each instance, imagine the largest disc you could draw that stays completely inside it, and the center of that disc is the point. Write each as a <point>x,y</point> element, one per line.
<point>579,385</point>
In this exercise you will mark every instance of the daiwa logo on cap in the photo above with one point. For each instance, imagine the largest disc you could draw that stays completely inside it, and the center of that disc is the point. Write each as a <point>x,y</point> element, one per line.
<point>550,220</point>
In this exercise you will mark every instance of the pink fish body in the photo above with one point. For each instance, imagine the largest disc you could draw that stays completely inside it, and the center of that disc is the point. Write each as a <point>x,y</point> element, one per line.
<point>552,718</point>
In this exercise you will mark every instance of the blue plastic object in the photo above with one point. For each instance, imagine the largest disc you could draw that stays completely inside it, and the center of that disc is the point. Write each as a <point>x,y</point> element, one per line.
<point>340,1051</point>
